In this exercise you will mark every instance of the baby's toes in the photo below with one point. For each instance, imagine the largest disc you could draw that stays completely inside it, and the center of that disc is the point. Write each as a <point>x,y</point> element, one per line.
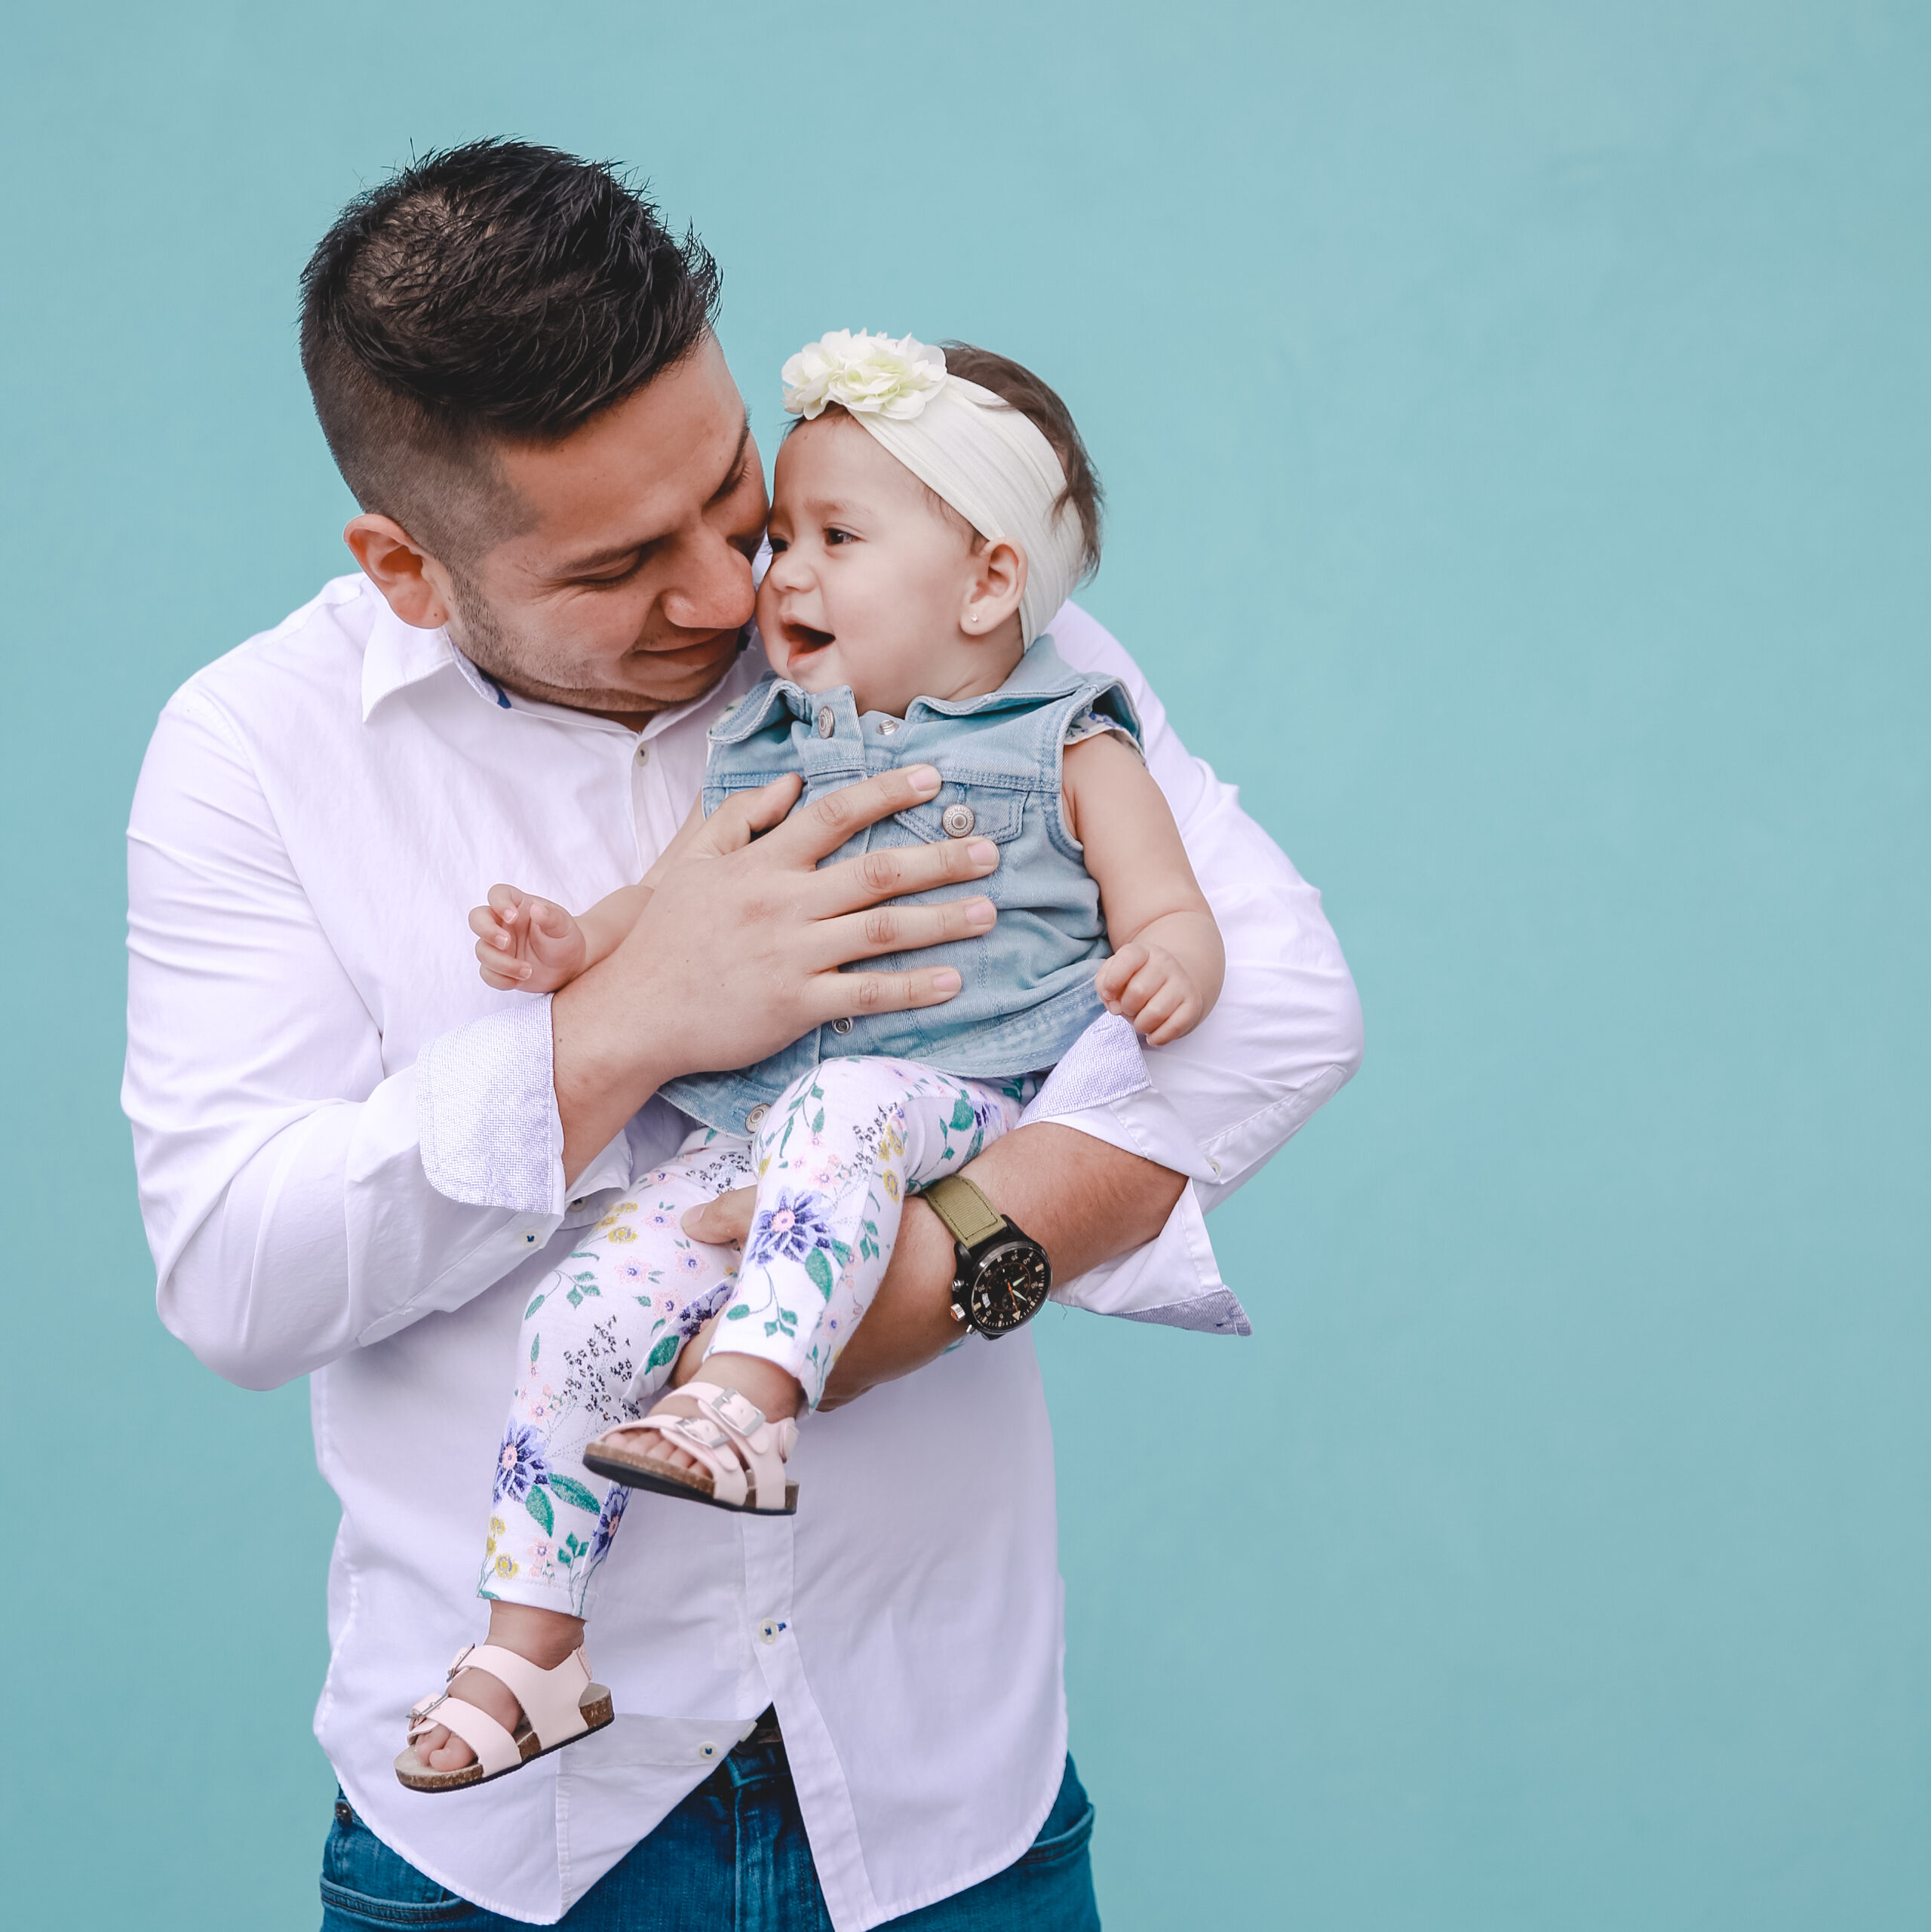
<point>449,1753</point>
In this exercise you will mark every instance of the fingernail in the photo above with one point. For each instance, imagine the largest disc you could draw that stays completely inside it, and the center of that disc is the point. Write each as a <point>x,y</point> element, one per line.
<point>983,851</point>
<point>980,913</point>
<point>946,980</point>
<point>925,778</point>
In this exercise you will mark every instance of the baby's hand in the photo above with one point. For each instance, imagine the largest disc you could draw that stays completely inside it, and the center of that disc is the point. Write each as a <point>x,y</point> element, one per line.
<point>1152,989</point>
<point>526,945</point>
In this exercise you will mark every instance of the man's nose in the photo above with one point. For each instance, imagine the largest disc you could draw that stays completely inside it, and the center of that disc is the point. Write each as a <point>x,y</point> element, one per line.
<point>713,591</point>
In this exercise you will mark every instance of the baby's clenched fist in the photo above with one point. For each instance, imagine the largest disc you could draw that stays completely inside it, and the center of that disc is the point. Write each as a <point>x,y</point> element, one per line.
<point>1148,985</point>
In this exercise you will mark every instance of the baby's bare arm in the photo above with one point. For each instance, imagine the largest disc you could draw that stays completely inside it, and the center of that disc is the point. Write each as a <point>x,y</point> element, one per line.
<point>1167,960</point>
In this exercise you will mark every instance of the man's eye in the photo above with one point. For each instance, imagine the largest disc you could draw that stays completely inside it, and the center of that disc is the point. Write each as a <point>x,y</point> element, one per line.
<point>622,576</point>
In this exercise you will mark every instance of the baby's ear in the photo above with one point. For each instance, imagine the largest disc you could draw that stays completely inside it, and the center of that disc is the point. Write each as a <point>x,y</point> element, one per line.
<point>993,592</point>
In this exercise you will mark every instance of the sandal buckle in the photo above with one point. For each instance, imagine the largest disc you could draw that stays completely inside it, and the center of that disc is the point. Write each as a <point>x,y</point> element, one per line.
<point>731,1409</point>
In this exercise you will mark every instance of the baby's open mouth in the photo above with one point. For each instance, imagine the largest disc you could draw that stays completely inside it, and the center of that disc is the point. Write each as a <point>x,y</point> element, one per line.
<point>802,637</point>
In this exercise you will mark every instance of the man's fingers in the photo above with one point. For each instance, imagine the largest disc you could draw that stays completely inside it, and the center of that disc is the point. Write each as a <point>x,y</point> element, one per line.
<point>844,996</point>
<point>733,825</point>
<point>895,870</point>
<point>891,928</point>
<point>724,1221</point>
<point>818,831</point>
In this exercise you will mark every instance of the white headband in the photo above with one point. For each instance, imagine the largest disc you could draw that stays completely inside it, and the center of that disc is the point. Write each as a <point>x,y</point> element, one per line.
<point>968,446</point>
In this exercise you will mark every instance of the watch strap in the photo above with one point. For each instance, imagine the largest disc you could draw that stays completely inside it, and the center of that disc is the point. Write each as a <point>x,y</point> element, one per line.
<point>971,1217</point>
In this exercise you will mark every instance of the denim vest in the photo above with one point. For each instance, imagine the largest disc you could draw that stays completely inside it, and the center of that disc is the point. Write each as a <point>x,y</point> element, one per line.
<point>1026,986</point>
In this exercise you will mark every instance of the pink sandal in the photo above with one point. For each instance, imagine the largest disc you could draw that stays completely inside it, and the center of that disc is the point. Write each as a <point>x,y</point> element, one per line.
<point>742,1455</point>
<point>559,1706</point>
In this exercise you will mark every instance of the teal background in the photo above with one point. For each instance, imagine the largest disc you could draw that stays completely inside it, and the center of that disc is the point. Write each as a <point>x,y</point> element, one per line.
<point>1515,419</point>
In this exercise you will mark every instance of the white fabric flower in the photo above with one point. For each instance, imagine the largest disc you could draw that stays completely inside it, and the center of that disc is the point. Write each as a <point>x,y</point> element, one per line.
<point>868,375</point>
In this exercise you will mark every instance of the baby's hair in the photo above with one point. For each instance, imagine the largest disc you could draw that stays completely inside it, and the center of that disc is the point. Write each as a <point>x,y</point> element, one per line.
<point>1018,386</point>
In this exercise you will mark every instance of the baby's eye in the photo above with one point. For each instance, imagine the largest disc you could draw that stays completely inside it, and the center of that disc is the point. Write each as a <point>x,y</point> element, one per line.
<point>834,535</point>
<point>779,545</point>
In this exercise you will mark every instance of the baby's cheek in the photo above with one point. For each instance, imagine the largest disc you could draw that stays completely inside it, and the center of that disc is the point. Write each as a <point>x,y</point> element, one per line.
<point>767,625</point>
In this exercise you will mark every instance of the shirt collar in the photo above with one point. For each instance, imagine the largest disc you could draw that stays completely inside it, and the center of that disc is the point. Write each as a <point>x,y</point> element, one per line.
<point>397,655</point>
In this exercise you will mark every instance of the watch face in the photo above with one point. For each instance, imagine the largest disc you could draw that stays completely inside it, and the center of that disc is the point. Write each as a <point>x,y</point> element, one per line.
<point>1011,1282</point>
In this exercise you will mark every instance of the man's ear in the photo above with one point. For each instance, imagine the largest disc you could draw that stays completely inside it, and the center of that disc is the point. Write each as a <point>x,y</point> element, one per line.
<point>416,587</point>
<point>993,592</point>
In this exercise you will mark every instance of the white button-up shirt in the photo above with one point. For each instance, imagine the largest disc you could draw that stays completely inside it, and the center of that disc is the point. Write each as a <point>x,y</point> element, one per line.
<point>350,1165</point>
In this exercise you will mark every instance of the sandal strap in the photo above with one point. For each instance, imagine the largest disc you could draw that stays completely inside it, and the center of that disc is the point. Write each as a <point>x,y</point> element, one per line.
<point>552,1700</point>
<point>730,1436</point>
<point>496,1749</point>
<point>765,1446</point>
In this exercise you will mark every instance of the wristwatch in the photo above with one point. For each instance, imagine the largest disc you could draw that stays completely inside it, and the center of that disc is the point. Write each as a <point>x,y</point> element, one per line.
<point>1001,1276</point>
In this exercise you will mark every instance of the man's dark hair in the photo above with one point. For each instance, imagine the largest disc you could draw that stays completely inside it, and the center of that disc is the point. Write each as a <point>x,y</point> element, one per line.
<point>495,293</point>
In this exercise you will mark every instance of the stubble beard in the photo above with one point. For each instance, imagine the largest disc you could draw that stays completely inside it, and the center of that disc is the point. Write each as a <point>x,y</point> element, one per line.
<point>519,667</point>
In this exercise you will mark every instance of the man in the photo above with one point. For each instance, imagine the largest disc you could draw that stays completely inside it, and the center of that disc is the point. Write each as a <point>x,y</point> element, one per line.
<point>356,1161</point>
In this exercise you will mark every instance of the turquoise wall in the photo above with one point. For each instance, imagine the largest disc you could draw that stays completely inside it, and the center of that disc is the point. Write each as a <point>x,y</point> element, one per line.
<point>1516,417</point>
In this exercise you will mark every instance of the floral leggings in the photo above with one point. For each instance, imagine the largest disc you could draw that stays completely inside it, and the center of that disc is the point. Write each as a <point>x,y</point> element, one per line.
<point>833,1162</point>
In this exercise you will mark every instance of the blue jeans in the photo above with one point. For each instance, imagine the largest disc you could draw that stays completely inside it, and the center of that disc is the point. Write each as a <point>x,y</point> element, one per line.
<point>732,1857</point>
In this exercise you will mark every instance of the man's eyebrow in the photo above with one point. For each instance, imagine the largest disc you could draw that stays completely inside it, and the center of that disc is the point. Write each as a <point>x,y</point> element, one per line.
<point>734,475</point>
<point>615,553</point>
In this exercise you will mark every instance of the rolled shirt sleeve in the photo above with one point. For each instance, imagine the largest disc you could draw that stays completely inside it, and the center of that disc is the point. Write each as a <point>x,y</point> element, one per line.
<point>1284,1038</point>
<point>290,1224</point>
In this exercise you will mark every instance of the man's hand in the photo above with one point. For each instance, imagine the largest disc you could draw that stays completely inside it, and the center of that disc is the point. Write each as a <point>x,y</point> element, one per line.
<point>1083,1201</point>
<point>738,952</point>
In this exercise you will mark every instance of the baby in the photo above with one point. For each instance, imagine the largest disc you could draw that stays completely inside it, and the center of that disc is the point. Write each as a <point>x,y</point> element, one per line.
<point>929,515</point>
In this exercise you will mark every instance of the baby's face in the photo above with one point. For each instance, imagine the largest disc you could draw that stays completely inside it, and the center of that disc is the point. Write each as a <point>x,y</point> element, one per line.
<point>870,581</point>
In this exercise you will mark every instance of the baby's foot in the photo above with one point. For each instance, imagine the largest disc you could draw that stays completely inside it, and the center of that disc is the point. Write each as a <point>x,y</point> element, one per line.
<point>756,1379</point>
<point>545,1637</point>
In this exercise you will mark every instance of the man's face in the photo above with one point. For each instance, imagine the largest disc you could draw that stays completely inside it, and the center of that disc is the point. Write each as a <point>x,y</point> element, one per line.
<point>626,593</point>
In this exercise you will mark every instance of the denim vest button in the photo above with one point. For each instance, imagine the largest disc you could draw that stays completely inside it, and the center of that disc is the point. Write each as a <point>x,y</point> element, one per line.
<point>841,1027</point>
<point>957,820</point>
<point>755,1119</point>
<point>827,724</point>
<point>886,727</point>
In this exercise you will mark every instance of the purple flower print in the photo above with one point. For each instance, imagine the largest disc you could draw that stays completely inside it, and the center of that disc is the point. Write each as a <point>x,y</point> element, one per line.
<point>608,1518</point>
<point>690,1263</point>
<point>520,1463</point>
<point>790,1231</point>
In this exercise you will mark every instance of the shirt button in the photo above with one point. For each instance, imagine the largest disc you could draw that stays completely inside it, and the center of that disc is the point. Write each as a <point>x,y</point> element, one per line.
<point>841,1027</point>
<point>643,754</point>
<point>529,1234</point>
<point>577,1203</point>
<point>707,1749</point>
<point>827,724</point>
<point>767,1631</point>
<point>755,1119</point>
<point>957,820</point>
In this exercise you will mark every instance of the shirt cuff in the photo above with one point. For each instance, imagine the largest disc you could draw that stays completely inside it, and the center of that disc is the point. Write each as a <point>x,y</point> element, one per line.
<point>486,1112</point>
<point>1174,1280</point>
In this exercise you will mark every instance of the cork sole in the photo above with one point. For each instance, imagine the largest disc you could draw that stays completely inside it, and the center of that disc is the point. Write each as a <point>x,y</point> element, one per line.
<point>410,1770</point>
<point>693,1485</point>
